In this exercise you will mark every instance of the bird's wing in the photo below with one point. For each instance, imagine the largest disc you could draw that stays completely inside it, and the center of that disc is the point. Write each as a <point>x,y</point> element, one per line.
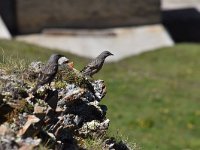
<point>46,74</point>
<point>90,66</point>
<point>49,69</point>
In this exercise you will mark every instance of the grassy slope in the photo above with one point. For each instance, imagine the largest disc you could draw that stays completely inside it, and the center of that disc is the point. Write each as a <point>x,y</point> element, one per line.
<point>152,98</point>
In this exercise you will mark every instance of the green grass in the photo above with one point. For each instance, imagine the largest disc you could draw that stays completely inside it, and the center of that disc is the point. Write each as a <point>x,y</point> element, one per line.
<point>153,98</point>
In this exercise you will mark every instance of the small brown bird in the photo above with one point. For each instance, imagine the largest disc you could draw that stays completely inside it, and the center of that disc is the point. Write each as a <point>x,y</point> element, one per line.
<point>48,72</point>
<point>96,64</point>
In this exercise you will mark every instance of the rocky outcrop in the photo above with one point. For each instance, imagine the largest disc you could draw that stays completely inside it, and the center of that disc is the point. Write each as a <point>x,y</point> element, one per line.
<point>61,116</point>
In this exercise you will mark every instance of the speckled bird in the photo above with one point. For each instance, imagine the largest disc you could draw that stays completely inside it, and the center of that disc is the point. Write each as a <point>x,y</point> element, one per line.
<point>95,65</point>
<point>48,72</point>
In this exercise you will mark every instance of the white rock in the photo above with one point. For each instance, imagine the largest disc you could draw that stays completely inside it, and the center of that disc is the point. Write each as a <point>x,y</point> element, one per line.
<point>4,33</point>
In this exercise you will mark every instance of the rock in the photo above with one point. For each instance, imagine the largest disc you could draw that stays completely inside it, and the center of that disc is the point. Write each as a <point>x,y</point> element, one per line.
<point>70,110</point>
<point>78,120</point>
<point>26,128</point>
<point>39,111</point>
<point>5,109</point>
<point>94,128</point>
<point>58,133</point>
<point>112,144</point>
<point>50,112</point>
<point>52,99</point>
<point>13,87</point>
<point>68,121</point>
<point>4,130</point>
<point>28,143</point>
<point>64,135</point>
<point>36,66</point>
<point>8,143</point>
<point>56,125</point>
<point>32,73</point>
<point>26,147</point>
<point>99,88</point>
<point>71,94</point>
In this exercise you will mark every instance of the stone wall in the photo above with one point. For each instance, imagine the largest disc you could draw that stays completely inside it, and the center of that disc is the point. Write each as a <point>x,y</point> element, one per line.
<point>34,15</point>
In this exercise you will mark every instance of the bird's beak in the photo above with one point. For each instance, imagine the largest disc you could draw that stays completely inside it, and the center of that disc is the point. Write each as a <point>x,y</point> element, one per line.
<point>70,64</point>
<point>111,54</point>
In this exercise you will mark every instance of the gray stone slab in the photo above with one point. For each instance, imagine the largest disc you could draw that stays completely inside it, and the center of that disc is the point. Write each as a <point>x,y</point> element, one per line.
<point>4,33</point>
<point>180,4</point>
<point>123,42</point>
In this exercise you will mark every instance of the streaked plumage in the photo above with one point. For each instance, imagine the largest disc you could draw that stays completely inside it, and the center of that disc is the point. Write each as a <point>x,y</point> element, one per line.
<point>95,65</point>
<point>48,72</point>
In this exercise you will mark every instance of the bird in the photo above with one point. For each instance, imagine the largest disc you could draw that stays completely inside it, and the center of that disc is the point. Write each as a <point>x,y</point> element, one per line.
<point>48,71</point>
<point>95,65</point>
